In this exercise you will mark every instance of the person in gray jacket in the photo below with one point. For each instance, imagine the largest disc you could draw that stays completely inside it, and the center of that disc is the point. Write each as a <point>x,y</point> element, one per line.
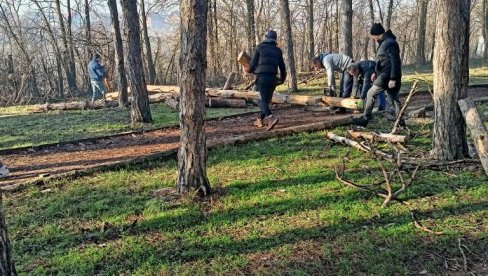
<point>362,72</point>
<point>97,74</point>
<point>332,62</point>
<point>387,76</point>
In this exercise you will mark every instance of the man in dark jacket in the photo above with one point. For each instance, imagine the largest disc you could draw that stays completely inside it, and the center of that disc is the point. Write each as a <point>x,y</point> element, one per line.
<point>265,63</point>
<point>388,73</point>
<point>97,74</point>
<point>362,72</point>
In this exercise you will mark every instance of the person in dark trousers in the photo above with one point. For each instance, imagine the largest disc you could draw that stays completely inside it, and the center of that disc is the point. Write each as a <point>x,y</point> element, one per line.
<point>361,73</point>
<point>265,63</point>
<point>97,74</point>
<point>332,62</point>
<point>387,76</point>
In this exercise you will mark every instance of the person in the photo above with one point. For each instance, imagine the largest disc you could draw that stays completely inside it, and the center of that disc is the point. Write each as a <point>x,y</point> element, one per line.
<point>265,62</point>
<point>361,73</point>
<point>97,73</point>
<point>4,171</point>
<point>332,62</point>
<point>387,76</point>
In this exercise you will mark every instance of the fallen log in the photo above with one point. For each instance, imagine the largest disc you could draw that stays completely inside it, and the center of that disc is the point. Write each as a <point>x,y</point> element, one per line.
<point>356,145</point>
<point>218,102</point>
<point>248,95</point>
<point>230,81</point>
<point>372,136</point>
<point>350,103</point>
<point>476,128</point>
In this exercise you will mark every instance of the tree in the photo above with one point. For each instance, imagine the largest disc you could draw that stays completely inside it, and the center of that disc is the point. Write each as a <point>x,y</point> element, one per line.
<point>192,155</point>
<point>485,30</point>
<point>119,54</point>
<point>150,62</point>
<point>346,33</point>
<point>311,39</point>
<point>251,26</point>
<point>140,111</point>
<point>6,265</point>
<point>451,74</point>
<point>389,14</point>
<point>69,63</point>
<point>421,31</point>
<point>290,55</point>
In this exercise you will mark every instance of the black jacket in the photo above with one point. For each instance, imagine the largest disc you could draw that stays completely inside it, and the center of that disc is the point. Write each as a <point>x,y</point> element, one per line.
<point>388,63</point>
<point>267,59</point>
<point>366,69</point>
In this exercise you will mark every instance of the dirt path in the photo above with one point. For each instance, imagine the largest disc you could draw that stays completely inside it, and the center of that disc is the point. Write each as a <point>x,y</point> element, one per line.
<point>29,165</point>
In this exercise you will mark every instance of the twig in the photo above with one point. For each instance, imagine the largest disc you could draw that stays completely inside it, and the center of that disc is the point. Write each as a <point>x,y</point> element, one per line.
<point>465,262</point>
<point>404,107</point>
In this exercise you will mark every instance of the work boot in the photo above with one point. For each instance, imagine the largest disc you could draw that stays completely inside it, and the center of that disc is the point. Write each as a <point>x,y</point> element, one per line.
<point>340,111</point>
<point>4,172</point>
<point>360,121</point>
<point>258,122</point>
<point>272,121</point>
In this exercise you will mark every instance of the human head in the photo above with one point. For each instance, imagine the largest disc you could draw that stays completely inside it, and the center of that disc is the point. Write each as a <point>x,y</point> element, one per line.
<point>353,69</point>
<point>377,31</point>
<point>271,35</point>
<point>317,63</point>
<point>96,56</point>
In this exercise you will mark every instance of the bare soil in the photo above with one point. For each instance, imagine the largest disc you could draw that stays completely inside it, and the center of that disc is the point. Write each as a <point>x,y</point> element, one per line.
<point>28,165</point>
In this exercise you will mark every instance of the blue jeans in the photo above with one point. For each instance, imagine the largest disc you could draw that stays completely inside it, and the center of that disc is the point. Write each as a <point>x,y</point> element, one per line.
<point>98,88</point>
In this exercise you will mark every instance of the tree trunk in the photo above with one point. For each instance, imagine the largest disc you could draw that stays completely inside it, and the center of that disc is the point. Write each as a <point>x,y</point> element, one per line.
<point>6,265</point>
<point>371,14</point>
<point>485,31</point>
<point>68,62</point>
<point>290,54</point>
<point>151,69</point>
<point>311,39</point>
<point>380,11</point>
<point>140,111</point>
<point>451,70</point>
<point>192,155</point>
<point>88,29</point>
<point>389,14</point>
<point>251,26</point>
<point>421,31</point>
<point>119,54</point>
<point>346,32</point>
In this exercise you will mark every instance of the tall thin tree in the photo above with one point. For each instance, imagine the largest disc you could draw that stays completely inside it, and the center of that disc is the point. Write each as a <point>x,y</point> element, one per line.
<point>290,54</point>
<point>140,111</point>
<point>389,14</point>
<point>119,54</point>
<point>451,74</point>
<point>311,39</point>
<point>151,69</point>
<point>192,155</point>
<point>422,22</point>
<point>346,32</point>
<point>251,26</point>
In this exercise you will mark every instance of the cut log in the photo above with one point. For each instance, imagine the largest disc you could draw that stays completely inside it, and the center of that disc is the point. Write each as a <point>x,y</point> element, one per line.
<point>230,81</point>
<point>218,102</point>
<point>248,95</point>
<point>174,104</point>
<point>356,145</point>
<point>404,107</point>
<point>476,128</point>
<point>385,137</point>
<point>245,60</point>
<point>356,104</point>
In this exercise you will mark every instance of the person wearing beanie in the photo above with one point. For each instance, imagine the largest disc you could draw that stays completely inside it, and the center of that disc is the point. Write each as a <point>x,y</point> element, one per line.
<point>387,76</point>
<point>332,62</point>
<point>97,73</point>
<point>266,61</point>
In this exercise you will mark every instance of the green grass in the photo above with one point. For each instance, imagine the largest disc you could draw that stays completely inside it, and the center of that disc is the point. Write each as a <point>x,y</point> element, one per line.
<point>278,210</point>
<point>18,128</point>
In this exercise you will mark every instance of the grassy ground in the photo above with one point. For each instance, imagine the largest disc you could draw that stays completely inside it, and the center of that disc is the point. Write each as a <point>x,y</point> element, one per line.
<point>18,128</point>
<point>278,210</point>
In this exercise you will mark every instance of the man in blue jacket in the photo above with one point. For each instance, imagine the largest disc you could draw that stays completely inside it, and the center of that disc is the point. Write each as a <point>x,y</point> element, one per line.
<point>362,72</point>
<point>388,73</point>
<point>97,74</point>
<point>265,63</point>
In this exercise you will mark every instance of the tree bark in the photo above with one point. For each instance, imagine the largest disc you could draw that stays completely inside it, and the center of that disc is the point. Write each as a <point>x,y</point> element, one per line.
<point>119,54</point>
<point>140,110</point>
<point>450,79</point>
<point>68,61</point>
<point>371,14</point>
<point>346,32</point>
<point>251,26</point>
<point>476,128</point>
<point>311,39</point>
<point>88,29</point>
<point>151,69</point>
<point>485,31</point>
<point>421,31</point>
<point>290,54</point>
<point>230,81</point>
<point>192,155</point>
<point>389,15</point>
<point>6,265</point>
<point>386,137</point>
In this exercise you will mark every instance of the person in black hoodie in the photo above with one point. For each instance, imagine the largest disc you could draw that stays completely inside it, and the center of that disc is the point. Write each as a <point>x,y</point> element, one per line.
<point>265,63</point>
<point>388,73</point>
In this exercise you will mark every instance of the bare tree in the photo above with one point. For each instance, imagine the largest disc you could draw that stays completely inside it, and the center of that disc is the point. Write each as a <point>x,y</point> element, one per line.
<point>251,26</point>
<point>69,63</point>
<point>192,155</point>
<point>346,32</point>
<point>389,14</point>
<point>421,31</point>
<point>311,39</point>
<point>451,74</point>
<point>119,54</point>
<point>149,57</point>
<point>140,111</point>
<point>290,55</point>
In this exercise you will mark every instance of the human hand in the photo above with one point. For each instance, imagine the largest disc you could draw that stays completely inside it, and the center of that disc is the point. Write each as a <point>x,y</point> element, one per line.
<point>391,84</point>
<point>373,77</point>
